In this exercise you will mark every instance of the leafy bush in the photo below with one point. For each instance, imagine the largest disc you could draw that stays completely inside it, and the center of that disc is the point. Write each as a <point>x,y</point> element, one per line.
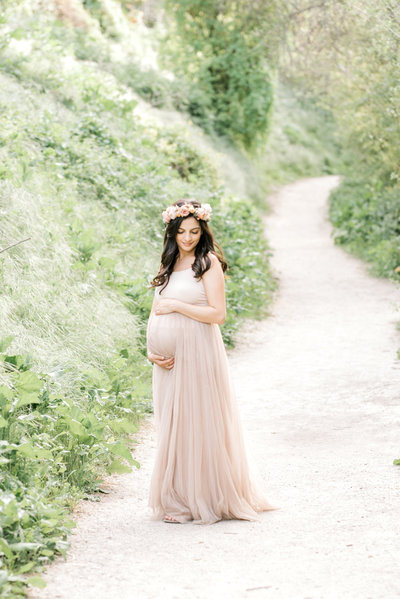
<point>240,93</point>
<point>366,216</point>
<point>250,283</point>
<point>52,453</point>
<point>215,49</point>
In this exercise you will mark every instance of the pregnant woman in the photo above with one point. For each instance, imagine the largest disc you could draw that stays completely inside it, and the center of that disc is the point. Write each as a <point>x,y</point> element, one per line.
<point>201,471</point>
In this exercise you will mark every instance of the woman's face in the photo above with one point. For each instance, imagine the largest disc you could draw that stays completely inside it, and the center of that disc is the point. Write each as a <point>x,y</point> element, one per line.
<point>188,234</point>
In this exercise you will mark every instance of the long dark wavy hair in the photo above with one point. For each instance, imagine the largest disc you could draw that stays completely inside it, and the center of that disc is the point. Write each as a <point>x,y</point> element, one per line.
<point>170,250</point>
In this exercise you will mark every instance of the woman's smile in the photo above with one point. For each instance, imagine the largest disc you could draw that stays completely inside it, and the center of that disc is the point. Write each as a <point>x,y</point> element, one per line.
<point>188,234</point>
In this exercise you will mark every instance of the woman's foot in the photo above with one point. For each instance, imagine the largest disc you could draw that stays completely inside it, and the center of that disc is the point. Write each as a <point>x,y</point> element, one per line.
<point>171,519</point>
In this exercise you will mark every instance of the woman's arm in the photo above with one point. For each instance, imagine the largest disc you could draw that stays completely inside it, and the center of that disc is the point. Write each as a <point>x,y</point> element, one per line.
<point>214,285</point>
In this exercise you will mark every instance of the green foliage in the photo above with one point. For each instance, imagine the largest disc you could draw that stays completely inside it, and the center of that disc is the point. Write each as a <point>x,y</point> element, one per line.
<point>240,92</point>
<point>226,64</point>
<point>148,83</point>
<point>52,452</point>
<point>240,231</point>
<point>372,111</point>
<point>366,216</point>
<point>190,165</point>
<point>106,15</point>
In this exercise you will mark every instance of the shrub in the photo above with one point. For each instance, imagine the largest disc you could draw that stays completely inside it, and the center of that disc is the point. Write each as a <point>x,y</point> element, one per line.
<point>366,217</point>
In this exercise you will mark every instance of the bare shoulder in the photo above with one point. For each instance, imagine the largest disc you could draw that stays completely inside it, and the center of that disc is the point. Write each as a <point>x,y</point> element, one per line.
<point>214,273</point>
<point>214,259</point>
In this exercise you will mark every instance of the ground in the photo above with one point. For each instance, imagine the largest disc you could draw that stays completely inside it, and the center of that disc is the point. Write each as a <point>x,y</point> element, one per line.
<point>318,385</point>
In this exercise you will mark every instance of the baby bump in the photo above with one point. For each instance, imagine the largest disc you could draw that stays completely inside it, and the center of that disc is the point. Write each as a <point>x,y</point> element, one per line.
<point>162,331</point>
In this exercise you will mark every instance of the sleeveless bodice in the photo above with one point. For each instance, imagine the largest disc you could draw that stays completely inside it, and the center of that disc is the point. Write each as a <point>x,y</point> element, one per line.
<point>164,330</point>
<point>184,286</point>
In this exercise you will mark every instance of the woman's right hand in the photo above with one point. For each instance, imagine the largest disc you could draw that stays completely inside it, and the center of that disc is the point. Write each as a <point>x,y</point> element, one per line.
<point>167,363</point>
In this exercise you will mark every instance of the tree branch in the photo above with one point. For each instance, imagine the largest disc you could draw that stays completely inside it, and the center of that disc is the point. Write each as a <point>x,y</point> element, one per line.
<point>14,244</point>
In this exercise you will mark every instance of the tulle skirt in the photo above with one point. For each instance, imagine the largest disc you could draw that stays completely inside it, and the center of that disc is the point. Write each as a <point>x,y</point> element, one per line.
<point>201,472</point>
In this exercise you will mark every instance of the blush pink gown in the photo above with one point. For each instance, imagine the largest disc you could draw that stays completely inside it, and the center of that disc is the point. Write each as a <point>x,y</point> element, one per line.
<point>201,470</point>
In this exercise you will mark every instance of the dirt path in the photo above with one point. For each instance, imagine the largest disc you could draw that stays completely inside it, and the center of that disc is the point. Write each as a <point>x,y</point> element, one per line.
<point>318,386</point>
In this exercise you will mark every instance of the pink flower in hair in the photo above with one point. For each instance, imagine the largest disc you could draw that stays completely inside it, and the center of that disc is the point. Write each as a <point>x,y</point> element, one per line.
<point>204,212</point>
<point>169,214</point>
<point>184,210</point>
<point>201,213</point>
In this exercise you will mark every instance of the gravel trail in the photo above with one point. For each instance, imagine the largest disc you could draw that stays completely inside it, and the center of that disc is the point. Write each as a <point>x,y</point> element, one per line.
<point>318,386</point>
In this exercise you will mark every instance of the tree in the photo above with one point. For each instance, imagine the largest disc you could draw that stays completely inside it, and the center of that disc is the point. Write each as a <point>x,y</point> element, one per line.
<point>230,54</point>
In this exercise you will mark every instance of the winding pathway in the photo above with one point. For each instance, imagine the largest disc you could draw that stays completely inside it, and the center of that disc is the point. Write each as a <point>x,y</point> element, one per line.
<point>318,385</point>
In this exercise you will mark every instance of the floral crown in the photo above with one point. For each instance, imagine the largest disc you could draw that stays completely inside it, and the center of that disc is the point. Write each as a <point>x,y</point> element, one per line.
<point>201,213</point>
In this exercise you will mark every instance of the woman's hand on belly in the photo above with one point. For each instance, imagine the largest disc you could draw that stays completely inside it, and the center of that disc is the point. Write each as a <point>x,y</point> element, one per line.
<point>167,363</point>
<point>165,306</point>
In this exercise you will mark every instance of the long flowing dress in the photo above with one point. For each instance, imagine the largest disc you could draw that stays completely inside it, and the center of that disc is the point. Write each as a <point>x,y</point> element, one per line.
<point>201,471</point>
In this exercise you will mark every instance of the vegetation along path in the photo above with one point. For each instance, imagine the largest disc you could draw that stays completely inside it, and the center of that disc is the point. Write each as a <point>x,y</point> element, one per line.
<point>318,389</point>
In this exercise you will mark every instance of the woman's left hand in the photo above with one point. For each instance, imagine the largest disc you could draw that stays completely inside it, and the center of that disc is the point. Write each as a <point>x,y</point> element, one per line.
<point>165,306</point>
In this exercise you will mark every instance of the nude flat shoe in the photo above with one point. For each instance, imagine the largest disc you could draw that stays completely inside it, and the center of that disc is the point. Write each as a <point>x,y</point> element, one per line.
<point>171,521</point>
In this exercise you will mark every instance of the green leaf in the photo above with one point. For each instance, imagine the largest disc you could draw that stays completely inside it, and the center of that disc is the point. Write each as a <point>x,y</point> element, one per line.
<point>28,382</point>
<point>24,546</point>
<point>107,262</point>
<point>5,392</point>
<point>26,567</point>
<point>76,427</point>
<point>5,342</point>
<point>20,362</point>
<point>27,450</point>
<point>5,548</point>
<point>27,398</point>
<point>10,510</point>
<point>121,450</point>
<point>119,363</point>
<point>3,422</point>
<point>96,376</point>
<point>37,581</point>
<point>18,33</point>
<point>49,523</point>
<point>42,452</point>
<point>119,467</point>
<point>123,426</point>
